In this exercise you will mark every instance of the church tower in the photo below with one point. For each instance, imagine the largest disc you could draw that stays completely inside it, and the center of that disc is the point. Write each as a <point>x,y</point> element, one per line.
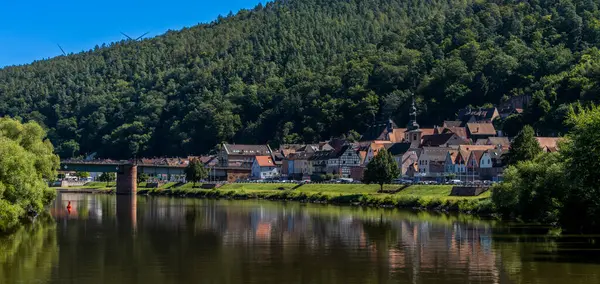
<point>413,133</point>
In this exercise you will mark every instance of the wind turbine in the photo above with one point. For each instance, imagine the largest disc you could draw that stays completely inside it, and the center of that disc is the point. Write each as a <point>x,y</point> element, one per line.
<point>138,38</point>
<point>61,49</point>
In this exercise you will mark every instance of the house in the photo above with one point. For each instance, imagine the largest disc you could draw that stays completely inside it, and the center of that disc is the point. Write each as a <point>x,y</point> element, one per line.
<point>239,158</point>
<point>342,161</point>
<point>473,164</point>
<point>432,161</point>
<point>374,149</point>
<point>503,142</point>
<point>491,165</point>
<point>318,161</point>
<point>450,164</point>
<point>299,166</point>
<point>460,131</point>
<point>443,140</point>
<point>548,144</point>
<point>463,169</point>
<point>405,156</point>
<point>379,131</point>
<point>282,154</point>
<point>240,155</point>
<point>469,115</point>
<point>264,167</point>
<point>482,130</point>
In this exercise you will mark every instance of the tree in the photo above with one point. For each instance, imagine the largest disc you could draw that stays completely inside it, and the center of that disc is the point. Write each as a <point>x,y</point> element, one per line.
<point>582,168</point>
<point>382,169</point>
<point>142,177</point>
<point>532,190</point>
<point>107,177</point>
<point>83,175</point>
<point>524,147</point>
<point>195,171</point>
<point>27,162</point>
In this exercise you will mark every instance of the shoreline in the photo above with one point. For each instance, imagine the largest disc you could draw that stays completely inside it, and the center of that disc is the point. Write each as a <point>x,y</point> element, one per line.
<point>433,198</point>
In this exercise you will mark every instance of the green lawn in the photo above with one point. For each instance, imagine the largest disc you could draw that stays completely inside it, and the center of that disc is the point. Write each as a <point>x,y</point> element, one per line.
<point>346,188</point>
<point>433,197</point>
<point>258,186</point>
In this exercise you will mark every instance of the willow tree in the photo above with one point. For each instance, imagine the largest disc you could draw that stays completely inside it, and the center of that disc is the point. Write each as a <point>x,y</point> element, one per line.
<point>27,163</point>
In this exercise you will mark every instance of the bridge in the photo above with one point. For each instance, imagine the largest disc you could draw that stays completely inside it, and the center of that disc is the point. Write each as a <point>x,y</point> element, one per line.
<point>127,170</point>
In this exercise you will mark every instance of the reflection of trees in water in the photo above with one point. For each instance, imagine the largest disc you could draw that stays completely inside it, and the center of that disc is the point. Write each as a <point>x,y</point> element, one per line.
<point>28,255</point>
<point>544,259</point>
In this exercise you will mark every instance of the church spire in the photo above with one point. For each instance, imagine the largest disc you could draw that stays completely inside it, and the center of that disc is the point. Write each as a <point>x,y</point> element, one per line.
<point>412,124</point>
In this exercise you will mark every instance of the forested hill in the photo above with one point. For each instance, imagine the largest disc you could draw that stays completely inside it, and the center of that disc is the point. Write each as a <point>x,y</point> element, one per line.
<point>305,70</point>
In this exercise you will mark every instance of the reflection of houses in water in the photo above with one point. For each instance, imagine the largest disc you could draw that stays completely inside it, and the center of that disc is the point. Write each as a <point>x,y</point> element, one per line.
<point>460,248</point>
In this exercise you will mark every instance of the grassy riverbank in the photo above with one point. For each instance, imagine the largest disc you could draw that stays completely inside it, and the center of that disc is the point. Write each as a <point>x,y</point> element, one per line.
<point>430,197</point>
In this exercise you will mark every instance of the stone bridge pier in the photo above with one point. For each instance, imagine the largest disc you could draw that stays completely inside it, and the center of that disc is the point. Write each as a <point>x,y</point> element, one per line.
<point>127,180</point>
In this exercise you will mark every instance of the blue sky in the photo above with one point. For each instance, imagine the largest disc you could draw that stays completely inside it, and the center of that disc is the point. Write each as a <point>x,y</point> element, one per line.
<point>30,30</point>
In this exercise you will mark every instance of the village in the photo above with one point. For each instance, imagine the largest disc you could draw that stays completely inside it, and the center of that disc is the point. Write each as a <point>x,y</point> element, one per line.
<point>468,149</point>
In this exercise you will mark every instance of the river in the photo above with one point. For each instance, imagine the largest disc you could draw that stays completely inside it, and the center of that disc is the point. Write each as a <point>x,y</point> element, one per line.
<point>120,239</point>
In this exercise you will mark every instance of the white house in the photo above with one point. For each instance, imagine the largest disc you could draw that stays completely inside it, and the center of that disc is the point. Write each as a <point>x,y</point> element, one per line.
<point>263,167</point>
<point>343,160</point>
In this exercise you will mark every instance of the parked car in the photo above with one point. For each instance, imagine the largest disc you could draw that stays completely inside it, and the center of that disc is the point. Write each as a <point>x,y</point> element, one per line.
<point>455,181</point>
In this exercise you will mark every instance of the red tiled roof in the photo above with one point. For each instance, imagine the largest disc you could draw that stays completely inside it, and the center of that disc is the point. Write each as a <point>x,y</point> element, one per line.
<point>548,144</point>
<point>265,161</point>
<point>427,131</point>
<point>453,155</point>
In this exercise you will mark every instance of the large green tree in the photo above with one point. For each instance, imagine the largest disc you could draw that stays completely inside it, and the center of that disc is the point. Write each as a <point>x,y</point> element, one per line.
<point>582,168</point>
<point>195,171</point>
<point>524,147</point>
<point>381,169</point>
<point>27,163</point>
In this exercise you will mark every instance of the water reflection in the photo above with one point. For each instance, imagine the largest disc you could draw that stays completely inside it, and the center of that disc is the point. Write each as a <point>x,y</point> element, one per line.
<point>108,239</point>
<point>28,255</point>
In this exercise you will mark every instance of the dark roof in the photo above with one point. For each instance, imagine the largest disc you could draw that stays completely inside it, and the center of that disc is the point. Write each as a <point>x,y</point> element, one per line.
<point>249,150</point>
<point>300,156</point>
<point>378,130</point>
<point>436,153</point>
<point>397,149</point>
<point>480,114</point>
<point>437,140</point>
<point>342,151</point>
<point>321,155</point>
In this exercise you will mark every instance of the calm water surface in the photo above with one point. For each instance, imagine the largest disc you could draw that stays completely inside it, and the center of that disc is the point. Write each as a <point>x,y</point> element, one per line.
<point>108,239</point>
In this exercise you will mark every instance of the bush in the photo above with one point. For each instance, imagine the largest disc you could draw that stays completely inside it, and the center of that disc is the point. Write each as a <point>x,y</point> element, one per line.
<point>532,190</point>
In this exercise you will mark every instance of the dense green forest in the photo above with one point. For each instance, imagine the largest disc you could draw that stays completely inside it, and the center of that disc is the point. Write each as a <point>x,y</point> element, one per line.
<point>305,70</point>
